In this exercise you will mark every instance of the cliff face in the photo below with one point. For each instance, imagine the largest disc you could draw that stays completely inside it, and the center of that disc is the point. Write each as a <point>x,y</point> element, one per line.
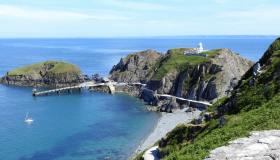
<point>195,77</point>
<point>135,67</point>
<point>47,74</point>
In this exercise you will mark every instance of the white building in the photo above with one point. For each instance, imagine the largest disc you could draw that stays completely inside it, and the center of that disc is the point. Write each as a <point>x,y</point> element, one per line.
<point>195,51</point>
<point>200,48</point>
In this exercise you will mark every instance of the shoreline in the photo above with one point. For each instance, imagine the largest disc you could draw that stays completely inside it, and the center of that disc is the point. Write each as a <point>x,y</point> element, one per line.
<point>166,123</point>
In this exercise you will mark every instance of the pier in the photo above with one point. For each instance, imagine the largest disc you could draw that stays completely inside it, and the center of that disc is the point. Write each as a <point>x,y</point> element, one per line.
<point>71,88</point>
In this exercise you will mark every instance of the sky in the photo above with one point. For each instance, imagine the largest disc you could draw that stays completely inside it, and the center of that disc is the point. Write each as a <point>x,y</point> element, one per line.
<point>137,18</point>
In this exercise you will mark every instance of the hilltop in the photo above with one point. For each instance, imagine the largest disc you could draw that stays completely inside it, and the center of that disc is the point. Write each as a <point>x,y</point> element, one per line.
<point>48,73</point>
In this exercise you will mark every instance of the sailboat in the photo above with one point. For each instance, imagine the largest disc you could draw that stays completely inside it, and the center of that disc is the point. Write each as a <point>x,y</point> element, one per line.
<point>27,119</point>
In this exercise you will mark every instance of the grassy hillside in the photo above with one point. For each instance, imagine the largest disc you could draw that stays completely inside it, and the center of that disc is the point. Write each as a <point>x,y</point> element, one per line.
<point>183,144</point>
<point>176,60</point>
<point>55,67</point>
<point>254,105</point>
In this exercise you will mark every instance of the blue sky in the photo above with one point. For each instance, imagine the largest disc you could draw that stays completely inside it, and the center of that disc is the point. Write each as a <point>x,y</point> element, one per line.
<point>125,18</point>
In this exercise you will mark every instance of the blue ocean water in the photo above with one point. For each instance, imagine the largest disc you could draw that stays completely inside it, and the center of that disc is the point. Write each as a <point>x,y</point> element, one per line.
<point>88,125</point>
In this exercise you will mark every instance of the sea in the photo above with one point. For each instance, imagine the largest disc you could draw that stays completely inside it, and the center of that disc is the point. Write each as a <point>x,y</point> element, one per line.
<point>87,126</point>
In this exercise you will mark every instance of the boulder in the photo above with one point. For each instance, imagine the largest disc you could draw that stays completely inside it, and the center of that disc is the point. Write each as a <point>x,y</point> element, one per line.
<point>263,145</point>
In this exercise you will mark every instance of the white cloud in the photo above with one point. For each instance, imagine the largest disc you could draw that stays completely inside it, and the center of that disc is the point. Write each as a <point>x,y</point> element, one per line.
<point>9,11</point>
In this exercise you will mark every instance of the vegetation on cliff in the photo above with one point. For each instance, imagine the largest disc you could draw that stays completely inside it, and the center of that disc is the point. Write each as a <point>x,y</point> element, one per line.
<point>253,106</point>
<point>175,60</point>
<point>49,73</point>
<point>56,67</point>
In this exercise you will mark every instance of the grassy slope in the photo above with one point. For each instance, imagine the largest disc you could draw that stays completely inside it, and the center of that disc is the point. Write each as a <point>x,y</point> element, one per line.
<point>176,60</point>
<point>256,108</point>
<point>211,53</point>
<point>58,67</point>
<point>265,117</point>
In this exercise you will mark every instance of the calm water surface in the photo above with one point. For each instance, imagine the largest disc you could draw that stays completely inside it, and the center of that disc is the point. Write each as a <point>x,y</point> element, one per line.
<point>88,125</point>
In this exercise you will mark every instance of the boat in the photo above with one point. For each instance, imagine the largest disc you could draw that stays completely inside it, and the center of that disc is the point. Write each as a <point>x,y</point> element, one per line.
<point>27,119</point>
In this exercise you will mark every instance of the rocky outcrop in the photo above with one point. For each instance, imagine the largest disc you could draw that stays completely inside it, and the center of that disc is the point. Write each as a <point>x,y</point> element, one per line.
<point>202,78</point>
<point>264,145</point>
<point>205,81</point>
<point>102,88</point>
<point>135,67</point>
<point>132,90</point>
<point>45,74</point>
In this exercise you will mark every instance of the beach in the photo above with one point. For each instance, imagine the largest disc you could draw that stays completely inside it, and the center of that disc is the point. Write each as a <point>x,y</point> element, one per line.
<point>166,123</point>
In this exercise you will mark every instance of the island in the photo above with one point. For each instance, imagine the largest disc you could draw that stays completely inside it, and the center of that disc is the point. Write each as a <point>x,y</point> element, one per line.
<point>44,74</point>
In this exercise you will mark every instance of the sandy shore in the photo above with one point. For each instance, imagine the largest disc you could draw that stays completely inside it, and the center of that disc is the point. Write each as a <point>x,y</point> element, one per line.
<point>166,123</point>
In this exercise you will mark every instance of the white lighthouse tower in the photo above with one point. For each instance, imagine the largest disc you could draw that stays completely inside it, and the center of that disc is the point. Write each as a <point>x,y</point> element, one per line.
<point>200,48</point>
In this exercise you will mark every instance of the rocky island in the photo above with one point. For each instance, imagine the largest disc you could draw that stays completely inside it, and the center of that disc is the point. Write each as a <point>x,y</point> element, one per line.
<point>44,74</point>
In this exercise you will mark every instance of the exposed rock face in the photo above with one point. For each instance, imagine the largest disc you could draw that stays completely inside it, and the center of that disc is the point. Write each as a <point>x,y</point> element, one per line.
<point>263,145</point>
<point>135,67</point>
<point>205,81</point>
<point>133,90</point>
<point>47,74</point>
<point>103,88</point>
<point>148,96</point>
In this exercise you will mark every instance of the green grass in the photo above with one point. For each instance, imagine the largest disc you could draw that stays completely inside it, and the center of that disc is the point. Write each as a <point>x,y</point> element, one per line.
<point>57,67</point>
<point>211,53</point>
<point>25,70</point>
<point>218,103</point>
<point>275,66</point>
<point>265,117</point>
<point>62,67</point>
<point>176,60</point>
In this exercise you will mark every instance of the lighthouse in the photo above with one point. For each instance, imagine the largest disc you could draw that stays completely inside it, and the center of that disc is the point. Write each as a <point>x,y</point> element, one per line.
<point>200,48</point>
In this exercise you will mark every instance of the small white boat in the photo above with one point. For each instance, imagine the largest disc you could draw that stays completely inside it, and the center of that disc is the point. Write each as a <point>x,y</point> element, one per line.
<point>27,119</point>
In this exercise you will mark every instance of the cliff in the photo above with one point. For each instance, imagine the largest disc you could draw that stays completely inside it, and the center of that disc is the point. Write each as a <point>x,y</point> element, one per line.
<point>252,106</point>
<point>135,67</point>
<point>47,74</point>
<point>197,77</point>
<point>205,77</point>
